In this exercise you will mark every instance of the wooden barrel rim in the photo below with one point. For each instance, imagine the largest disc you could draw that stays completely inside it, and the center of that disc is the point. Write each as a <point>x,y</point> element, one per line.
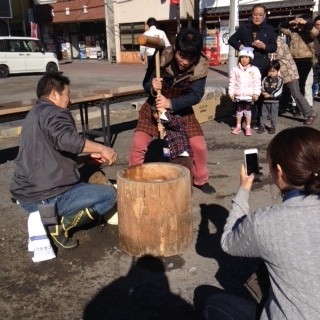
<point>183,170</point>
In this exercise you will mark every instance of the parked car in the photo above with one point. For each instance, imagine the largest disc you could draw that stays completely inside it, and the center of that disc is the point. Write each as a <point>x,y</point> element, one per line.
<point>23,55</point>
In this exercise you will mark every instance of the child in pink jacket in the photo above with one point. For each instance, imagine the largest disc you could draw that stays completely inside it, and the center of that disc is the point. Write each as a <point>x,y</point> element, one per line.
<point>244,88</point>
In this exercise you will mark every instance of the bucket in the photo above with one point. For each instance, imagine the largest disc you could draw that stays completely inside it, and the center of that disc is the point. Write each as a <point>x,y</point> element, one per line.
<point>154,209</point>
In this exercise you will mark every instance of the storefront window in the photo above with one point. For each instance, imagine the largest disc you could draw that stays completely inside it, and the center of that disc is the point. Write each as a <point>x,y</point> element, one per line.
<point>128,35</point>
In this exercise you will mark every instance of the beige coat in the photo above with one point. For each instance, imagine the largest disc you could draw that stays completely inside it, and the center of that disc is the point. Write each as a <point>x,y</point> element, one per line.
<point>288,68</point>
<point>299,49</point>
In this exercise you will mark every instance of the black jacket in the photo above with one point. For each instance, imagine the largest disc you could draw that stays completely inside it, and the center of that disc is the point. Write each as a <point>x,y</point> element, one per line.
<point>264,33</point>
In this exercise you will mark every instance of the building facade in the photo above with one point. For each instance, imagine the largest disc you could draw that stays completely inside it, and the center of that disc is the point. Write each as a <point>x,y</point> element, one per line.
<point>215,14</point>
<point>107,29</point>
<point>73,29</point>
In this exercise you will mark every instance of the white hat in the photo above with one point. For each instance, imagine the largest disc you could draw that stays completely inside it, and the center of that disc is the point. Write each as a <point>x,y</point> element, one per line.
<point>246,51</point>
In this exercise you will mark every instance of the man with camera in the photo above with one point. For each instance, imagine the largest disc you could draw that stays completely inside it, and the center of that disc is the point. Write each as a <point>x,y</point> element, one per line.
<point>302,34</point>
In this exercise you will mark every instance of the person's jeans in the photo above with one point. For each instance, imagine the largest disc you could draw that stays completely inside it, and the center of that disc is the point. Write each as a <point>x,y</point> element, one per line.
<point>223,306</point>
<point>301,101</point>
<point>80,196</point>
<point>272,109</point>
<point>308,88</point>
<point>304,66</point>
<point>316,79</point>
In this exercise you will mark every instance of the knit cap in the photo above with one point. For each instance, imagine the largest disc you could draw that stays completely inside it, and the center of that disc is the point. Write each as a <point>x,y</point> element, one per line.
<point>247,52</point>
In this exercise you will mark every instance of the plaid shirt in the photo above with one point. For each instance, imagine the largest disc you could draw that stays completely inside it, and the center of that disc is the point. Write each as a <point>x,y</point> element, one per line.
<point>176,135</point>
<point>174,85</point>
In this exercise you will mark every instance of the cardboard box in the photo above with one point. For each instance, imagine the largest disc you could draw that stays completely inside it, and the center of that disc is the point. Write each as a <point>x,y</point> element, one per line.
<point>218,107</point>
<point>205,109</point>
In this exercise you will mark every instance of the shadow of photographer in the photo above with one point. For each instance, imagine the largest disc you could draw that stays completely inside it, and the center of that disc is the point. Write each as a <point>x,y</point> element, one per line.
<point>144,293</point>
<point>233,271</point>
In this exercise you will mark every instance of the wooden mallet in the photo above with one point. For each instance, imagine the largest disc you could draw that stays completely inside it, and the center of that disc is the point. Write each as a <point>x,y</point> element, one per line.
<point>157,43</point>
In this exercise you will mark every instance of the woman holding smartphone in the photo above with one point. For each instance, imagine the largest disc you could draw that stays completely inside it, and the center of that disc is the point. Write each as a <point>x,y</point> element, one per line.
<point>286,236</point>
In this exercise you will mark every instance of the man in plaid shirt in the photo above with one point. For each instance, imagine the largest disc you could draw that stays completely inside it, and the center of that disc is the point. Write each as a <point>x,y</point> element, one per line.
<point>183,77</point>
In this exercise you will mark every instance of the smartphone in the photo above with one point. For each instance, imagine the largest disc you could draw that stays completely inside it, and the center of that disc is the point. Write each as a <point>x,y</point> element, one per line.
<point>251,161</point>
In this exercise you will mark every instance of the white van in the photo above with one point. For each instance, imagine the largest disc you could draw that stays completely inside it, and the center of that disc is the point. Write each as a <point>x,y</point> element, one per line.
<point>23,54</point>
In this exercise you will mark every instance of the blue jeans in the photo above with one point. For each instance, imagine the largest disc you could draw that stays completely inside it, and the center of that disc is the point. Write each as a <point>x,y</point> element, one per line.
<point>225,306</point>
<point>80,196</point>
<point>316,79</point>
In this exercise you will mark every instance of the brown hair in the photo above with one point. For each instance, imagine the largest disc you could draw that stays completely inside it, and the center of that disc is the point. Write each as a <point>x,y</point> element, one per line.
<point>297,151</point>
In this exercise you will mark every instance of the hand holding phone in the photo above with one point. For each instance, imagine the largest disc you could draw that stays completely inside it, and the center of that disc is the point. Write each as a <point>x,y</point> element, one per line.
<point>251,161</point>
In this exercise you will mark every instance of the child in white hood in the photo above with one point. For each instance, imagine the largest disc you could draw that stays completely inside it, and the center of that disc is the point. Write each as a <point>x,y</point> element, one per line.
<point>244,88</point>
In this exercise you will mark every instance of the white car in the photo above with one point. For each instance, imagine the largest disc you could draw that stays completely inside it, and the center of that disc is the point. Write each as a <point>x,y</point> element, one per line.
<point>24,54</point>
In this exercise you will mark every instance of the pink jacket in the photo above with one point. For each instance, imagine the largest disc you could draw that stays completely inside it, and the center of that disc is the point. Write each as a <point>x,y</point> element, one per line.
<point>244,83</point>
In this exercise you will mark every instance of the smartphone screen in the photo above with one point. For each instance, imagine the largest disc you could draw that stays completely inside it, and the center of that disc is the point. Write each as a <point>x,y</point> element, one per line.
<point>251,161</point>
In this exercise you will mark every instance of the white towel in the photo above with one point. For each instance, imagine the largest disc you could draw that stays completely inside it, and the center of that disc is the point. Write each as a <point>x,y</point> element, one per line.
<point>39,242</point>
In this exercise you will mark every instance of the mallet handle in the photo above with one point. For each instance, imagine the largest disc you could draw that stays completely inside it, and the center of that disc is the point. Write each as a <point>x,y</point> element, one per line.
<point>157,60</point>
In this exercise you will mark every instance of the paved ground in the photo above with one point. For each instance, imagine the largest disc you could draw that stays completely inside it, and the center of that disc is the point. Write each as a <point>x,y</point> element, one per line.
<point>99,281</point>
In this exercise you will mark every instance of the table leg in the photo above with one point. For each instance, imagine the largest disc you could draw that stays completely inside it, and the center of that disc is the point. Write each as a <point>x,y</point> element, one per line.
<point>82,119</point>
<point>86,118</point>
<point>104,132</point>
<point>107,102</point>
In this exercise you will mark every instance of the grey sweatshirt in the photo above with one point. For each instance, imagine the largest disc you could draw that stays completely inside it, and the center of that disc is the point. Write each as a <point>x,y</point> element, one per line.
<point>287,238</point>
<point>46,163</point>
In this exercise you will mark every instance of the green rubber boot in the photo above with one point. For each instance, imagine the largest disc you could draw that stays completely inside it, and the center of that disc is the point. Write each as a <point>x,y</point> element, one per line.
<point>60,232</point>
<point>60,238</point>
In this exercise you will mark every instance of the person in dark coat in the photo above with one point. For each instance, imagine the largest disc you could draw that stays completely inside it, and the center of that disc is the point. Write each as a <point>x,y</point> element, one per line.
<point>258,34</point>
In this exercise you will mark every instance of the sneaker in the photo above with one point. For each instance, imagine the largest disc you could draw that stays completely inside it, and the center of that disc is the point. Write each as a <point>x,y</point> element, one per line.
<point>206,188</point>
<point>310,120</point>
<point>236,130</point>
<point>248,132</point>
<point>272,130</point>
<point>261,129</point>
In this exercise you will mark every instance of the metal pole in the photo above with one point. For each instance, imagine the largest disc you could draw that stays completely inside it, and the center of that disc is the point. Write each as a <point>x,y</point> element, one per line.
<point>9,31</point>
<point>233,26</point>
<point>178,18</point>
<point>23,20</point>
<point>106,7</point>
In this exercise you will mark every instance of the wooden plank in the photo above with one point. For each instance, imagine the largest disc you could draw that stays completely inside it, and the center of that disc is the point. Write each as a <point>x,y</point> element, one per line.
<point>128,90</point>
<point>16,106</point>
<point>76,98</point>
<point>89,96</point>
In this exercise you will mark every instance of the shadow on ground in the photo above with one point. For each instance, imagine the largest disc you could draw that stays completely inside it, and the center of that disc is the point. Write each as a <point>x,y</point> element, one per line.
<point>143,294</point>
<point>233,271</point>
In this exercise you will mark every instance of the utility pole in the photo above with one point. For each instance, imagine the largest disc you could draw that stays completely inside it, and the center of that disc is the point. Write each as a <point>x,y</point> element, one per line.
<point>177,4</point>
<point>110,34</point>
<point>23,19</point>
<point>178,18</point>
<point>233,26</point>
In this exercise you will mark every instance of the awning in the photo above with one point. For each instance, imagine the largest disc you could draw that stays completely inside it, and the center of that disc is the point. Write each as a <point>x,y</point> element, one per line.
<point>71,11</point>
<point>274,10</point>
